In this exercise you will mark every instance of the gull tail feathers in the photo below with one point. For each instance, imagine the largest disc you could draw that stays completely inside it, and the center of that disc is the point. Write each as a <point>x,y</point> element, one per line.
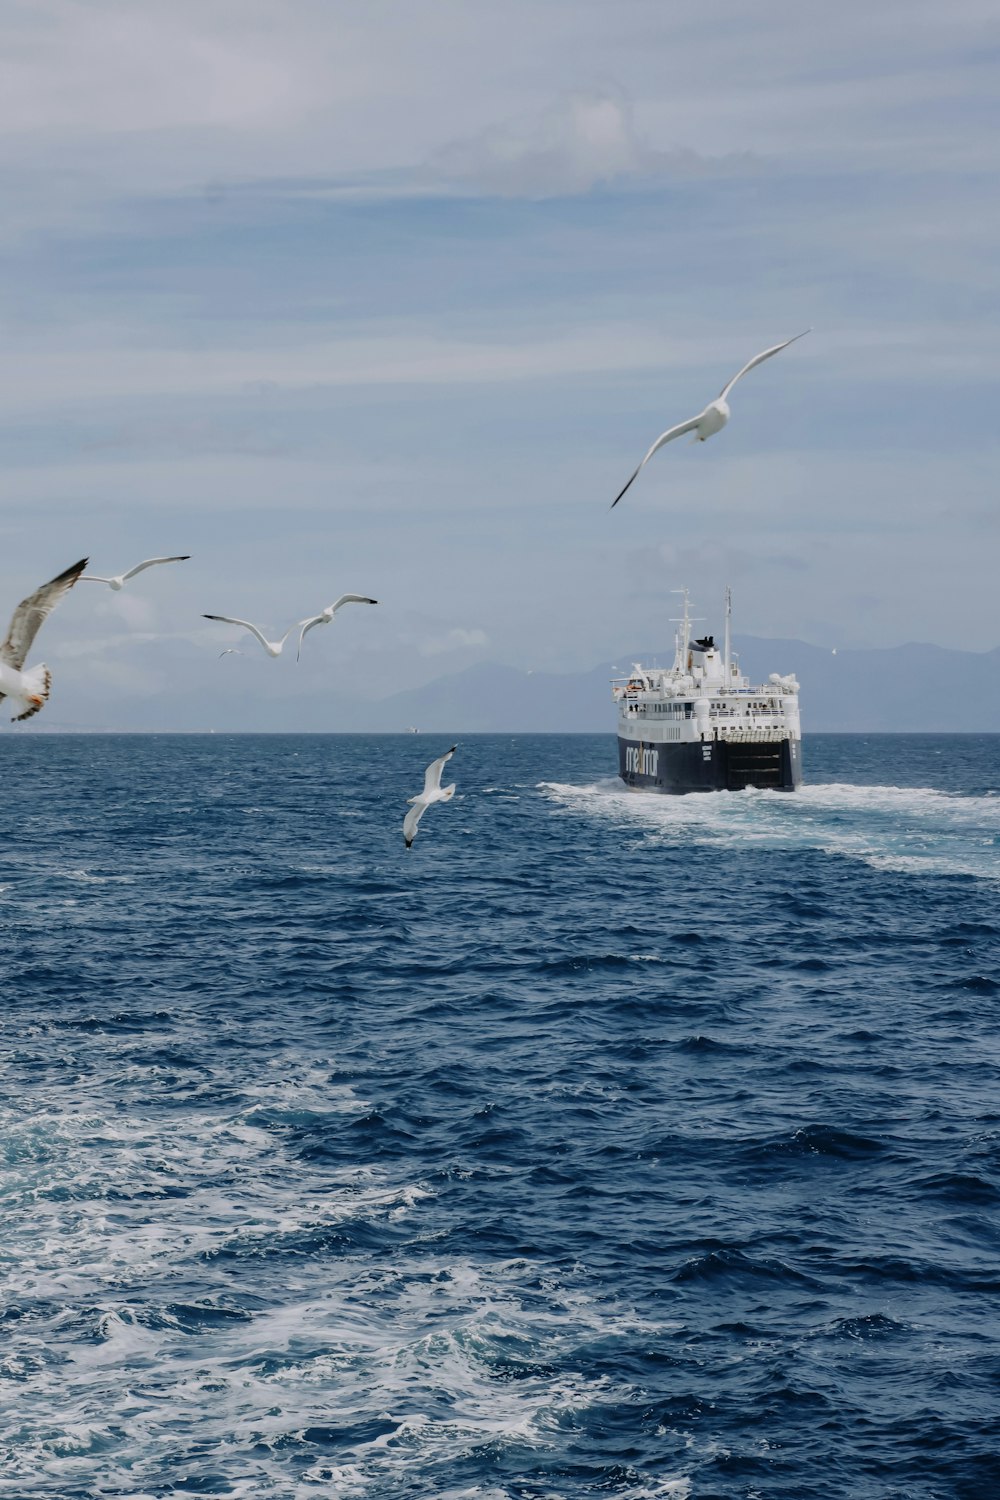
<point>447,792</point>
<point>38,682</point>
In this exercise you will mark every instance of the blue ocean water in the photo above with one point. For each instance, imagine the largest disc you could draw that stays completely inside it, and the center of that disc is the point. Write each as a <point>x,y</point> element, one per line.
<point>601,1145</point>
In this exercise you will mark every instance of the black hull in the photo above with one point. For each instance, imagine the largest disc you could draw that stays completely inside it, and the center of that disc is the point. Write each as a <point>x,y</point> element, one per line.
<point>710,765</point>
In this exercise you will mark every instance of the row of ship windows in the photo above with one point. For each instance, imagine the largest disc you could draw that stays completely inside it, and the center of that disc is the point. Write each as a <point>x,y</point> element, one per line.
<point>687,709</point>
<point>662,708</point>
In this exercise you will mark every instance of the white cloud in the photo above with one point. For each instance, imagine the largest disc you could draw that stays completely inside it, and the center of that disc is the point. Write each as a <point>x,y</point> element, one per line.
<point>438,401</point>
<point>138,614</point>
<point>583,140</point>
<point>457,639</point>
<point>109,99</point>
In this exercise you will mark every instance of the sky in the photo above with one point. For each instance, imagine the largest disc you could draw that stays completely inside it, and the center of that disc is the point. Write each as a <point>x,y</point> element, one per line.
<point>391,298</point>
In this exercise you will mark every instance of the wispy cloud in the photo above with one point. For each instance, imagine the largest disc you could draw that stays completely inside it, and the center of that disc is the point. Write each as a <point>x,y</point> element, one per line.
<point>574,145</point>
<point>392,298</point>
<point>429,356</point>
<point>109,100</point>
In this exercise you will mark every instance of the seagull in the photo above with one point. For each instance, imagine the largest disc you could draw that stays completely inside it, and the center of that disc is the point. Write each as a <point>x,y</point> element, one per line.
<point>30,689</point>
<point>120,579</point>
<point>433,792</point>
<point>326,615</point>
<point>273,648</point>
<point>716,413</point>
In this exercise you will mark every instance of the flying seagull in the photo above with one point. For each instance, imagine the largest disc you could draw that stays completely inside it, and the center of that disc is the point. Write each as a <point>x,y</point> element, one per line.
<point>713,418</point>
<point>273,648</point>
<point>326,615</point>
<point>433,792</point>
<point>30,689</point>
<point>120,579</point>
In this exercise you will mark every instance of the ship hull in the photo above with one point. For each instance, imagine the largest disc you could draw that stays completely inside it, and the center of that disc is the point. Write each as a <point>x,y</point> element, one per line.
<point>710,765</point>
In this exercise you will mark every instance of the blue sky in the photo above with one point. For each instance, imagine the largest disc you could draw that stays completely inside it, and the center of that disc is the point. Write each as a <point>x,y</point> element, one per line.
<point>392,298</point>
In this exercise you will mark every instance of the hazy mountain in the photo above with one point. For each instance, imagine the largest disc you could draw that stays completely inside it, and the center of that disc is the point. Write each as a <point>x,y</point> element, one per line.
<point>898,688</point>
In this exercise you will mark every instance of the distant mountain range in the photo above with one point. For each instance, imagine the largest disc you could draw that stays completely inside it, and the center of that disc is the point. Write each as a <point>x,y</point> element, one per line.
<point>899,688</point>
<point>896,689</point>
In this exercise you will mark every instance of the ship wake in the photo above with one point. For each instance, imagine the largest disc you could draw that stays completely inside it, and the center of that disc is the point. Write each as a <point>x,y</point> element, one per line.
<point>910,829</point>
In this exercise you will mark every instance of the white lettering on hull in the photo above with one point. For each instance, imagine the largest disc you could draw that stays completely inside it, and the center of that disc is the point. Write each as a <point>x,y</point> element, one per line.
<point>640,760</point>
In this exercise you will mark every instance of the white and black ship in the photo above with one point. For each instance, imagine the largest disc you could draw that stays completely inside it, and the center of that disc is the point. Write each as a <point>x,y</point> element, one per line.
<point>700,726</point>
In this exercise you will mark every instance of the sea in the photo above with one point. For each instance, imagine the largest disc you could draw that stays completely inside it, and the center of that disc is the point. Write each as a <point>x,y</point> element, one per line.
<point>601,1145</point>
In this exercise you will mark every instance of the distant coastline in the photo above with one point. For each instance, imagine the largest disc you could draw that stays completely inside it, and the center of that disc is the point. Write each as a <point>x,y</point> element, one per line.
<point>910,689</point>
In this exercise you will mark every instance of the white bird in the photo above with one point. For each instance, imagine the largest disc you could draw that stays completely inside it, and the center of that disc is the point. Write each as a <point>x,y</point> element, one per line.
<point>433,792</point>
<point>30,689</point>
<point>273,648</point>
<point>326,615</point>
<point>120,579</point>
<point>713,418</point>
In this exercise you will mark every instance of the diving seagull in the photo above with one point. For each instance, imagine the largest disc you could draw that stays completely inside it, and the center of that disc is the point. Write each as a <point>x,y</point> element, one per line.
<point>121,579</point>
<point>29,690</point>
<point>433,792</point>
<point>326,615</point>
<point>714,417</point>
<point>273,648</point>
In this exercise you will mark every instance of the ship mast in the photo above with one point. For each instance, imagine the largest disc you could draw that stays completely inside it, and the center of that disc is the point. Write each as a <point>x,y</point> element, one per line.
<point>681,637</point>
<point>729,615</point>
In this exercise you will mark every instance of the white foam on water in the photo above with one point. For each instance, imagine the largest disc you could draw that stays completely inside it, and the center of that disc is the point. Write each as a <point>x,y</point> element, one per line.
<point>331,1362</point>
<point>173,1305</point>
<point>911,829</point>
<point>660,1489</point>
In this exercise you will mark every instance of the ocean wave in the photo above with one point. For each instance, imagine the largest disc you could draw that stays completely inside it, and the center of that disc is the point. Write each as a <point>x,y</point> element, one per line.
<point>485,1377</point>
<point>617,1146</point>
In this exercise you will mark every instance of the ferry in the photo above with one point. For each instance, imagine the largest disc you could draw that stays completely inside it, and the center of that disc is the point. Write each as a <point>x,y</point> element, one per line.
<point>701,726</point>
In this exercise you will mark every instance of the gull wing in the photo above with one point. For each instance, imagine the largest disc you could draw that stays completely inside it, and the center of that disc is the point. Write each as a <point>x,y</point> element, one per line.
<point>411,820</point>
<point>151,562</point>
<point>759,359</point>
<point>31,613</point>
<point>230,620</point>
<point>307,625</point>
<point>352,599</point>
<point>665,437</point>
<point>432,776</point>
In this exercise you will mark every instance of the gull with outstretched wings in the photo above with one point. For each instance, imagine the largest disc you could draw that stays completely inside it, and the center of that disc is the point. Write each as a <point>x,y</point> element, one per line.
<point>326,615</point>
<point>433,792</point>
<point>713,418</point>
<point>273,648</point>
<point>29,690</point>
<point>120,579</point>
